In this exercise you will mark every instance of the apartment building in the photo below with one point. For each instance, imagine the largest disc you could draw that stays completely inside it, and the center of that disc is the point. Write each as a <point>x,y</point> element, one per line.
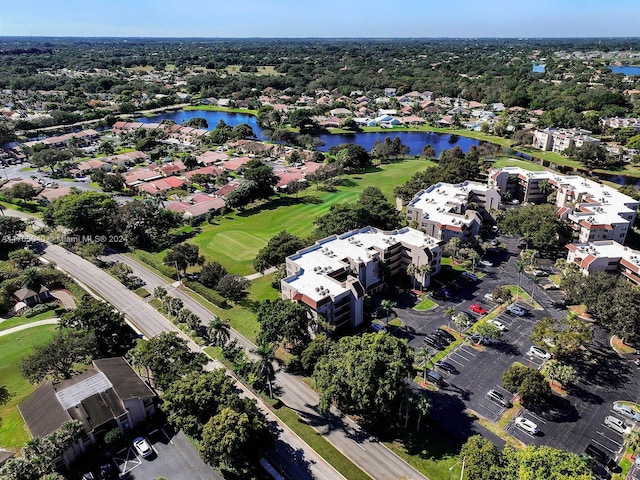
<point>332,276</point>
<point>445,210</point>
<point>559,139</point>
<point>606,256</point>
<point>595,211</point>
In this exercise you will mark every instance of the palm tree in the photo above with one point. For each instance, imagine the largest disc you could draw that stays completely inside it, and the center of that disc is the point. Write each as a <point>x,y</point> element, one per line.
<point>263,367</point>
<point>424,353</point>
<point>411,271</point>
<point>449,312</point>
<point>520,266</point>
<point>386,307</point>
<point>474,257</point>
<point>527,236</point>
<point>423,405</point>
<point>545,187</point>
<point>219,332</point>
<point>424,270</point>
<point>2,209</point>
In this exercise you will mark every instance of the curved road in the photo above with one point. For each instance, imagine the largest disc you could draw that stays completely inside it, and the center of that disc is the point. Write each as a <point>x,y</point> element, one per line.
<point>363,449</point>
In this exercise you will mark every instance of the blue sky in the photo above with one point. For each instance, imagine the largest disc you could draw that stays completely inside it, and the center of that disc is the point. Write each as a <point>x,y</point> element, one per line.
<point>321,18</point>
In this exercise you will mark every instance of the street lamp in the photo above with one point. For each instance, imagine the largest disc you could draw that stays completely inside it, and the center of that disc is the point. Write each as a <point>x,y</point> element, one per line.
<point>175,262</point>
<point>452,466</point>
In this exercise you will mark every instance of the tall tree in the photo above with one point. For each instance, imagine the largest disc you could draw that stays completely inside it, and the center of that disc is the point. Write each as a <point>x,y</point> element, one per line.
<point>219,332</point>
<point>263,367</point>
<point>192,400</point>
<point>282,320</point>
<point>184,255</point>
<point>85,213</point>
<point>235,438</point>
<point>364,374</point>
<point>277,249</point>
<point>169,358</point>
<point>113,334</point>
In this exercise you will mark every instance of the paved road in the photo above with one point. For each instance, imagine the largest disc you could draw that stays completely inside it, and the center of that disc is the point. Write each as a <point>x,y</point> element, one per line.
<point>298,460</point>
<point>9,331</point>
<point>363,449</point>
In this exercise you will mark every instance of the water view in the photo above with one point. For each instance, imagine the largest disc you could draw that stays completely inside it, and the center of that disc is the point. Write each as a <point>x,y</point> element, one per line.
<point>414,140</point>
<point>538,68</point>
<point>630,70</point>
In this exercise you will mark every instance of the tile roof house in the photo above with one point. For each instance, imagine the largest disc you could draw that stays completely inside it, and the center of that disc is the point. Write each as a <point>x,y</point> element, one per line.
<point>108,395</point>
<point>50,195</point>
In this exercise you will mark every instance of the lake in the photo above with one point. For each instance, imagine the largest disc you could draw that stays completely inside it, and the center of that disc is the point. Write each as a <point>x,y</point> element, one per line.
<point>630,70</point>
<point>414,140</point>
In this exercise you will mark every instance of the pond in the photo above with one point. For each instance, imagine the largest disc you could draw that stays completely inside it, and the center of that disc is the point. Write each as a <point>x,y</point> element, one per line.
<point>630,70</point>
<point>414,140</point>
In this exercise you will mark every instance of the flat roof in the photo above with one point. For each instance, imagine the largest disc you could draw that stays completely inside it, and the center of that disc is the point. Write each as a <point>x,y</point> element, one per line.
<point>334,253</point>
<point>437,201</point>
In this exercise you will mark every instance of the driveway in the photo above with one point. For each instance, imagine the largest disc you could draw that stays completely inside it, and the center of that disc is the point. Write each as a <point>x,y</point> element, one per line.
<point>175,458</point>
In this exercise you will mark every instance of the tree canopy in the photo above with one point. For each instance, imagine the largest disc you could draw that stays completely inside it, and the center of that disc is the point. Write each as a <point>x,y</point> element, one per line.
<point>365,374</point>
<point>539,222</point>
<point>277,249</point>
<point>86,213</point>
<point>283,320</point>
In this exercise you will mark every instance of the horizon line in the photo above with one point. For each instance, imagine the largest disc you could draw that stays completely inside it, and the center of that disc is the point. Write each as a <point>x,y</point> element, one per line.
<point>605,37</point>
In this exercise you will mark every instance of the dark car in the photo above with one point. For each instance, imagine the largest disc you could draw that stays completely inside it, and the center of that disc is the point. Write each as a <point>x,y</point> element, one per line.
<point>600,456</point>
<point>439,295</point>
<point>447,367</point>
<point>442,339</point>
<point>442,333</point>
<point>432,341</point>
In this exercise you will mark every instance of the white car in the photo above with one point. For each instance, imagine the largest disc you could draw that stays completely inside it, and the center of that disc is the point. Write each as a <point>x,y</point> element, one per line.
<point>142,447</point>
<point>485,263</point>
<point>626,411</point>
<point>616,424</point>
<point>498,324</point>
<point>526,425</point>
<point>489,297</point>
<point>540,353</point>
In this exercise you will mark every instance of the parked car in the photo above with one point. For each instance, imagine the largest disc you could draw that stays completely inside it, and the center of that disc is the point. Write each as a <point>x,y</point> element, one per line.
<point>433,342</point>
<point>142,447</point>
<point>435,377</point>
<point>479,339</point>
<point>447,367</point>
<point>376,327</point>
<point>614,423</point>
<point>540,273</point>
<point>626,411</point>
<point>489,297</point>
<point>442,333</point>
<point>477,308</point>
<point>498,398</point>
<point>470,277</point>
<point>499,325</point>
<point>444,340</point>
<point>527,425</point>
<point>516,310</point>
<point>601,456</point>
<point>540,353</point>
<point>485,263</point>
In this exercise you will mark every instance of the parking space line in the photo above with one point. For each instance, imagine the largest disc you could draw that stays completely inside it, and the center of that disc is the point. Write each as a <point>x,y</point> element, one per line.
<point>167,436</point>
<point>495,415</point>
<point>461,356</point>
<point>608,438</point>
<point>455,361</point>
<point>535,416</point>
<point>522,431</point>
<point>605,447</point>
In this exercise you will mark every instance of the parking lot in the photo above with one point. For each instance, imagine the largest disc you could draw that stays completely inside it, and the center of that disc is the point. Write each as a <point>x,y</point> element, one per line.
<point>573,421</point>
<point>174,458</point>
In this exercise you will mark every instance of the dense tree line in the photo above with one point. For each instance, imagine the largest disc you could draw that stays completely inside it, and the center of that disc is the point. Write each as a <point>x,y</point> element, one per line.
<point>539,224</point>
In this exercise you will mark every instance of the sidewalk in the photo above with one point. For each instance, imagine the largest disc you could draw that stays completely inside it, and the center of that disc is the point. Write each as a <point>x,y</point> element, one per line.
<point>49,321</point>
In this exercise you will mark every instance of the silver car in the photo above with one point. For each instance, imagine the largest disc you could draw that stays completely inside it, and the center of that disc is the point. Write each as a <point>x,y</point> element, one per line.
<point>626,411</point>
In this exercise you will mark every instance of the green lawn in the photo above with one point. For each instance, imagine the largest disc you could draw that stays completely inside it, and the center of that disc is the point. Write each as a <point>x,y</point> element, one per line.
<point>235,238</point>
<point>425,304</point>
<point>17,321</point>
<point>13,348</point>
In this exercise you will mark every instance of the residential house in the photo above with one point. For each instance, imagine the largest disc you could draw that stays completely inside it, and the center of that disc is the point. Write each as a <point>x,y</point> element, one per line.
<point>161,186</point>
<point>332,277</point>
<point>30,297</point>
<point>109,395</point>
<point>235,164</point>
<point>209,158</point>
<point>50,195</point>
